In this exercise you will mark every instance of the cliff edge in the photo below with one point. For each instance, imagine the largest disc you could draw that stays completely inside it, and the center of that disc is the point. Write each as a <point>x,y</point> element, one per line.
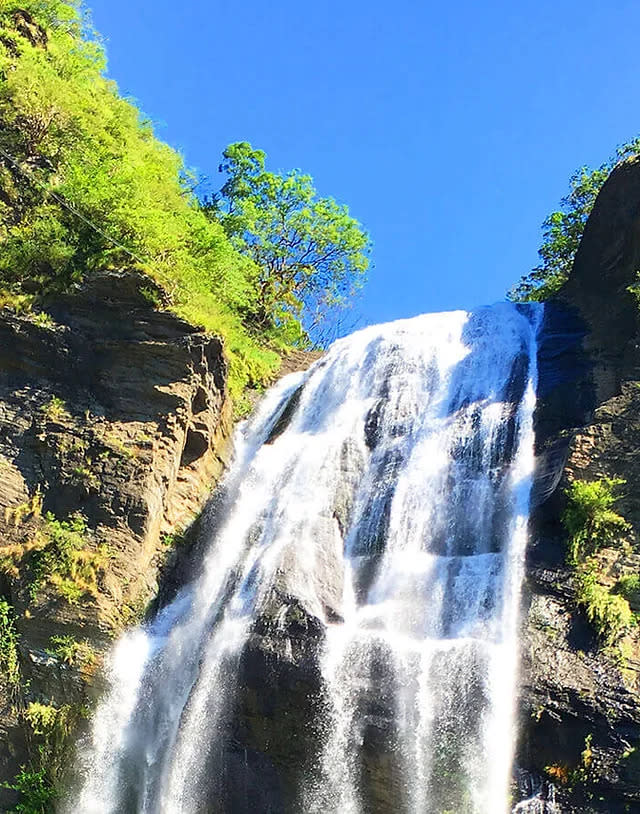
<point>580,695</point>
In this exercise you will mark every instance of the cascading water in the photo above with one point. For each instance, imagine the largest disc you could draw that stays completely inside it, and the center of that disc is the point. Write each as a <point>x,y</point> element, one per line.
<point>387,491</point>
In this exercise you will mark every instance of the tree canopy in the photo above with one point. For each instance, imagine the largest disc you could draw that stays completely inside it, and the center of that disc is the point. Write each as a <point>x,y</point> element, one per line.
<point>86,185</point>
<point>562,230</point>
<point>311,254</point>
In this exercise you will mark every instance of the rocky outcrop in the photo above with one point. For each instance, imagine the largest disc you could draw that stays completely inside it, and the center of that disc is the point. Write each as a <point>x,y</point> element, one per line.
<point>580,703</point>
<point>114,425</point>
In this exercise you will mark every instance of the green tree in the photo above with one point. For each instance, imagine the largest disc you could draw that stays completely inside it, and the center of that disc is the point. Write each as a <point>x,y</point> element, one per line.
<point>86,185</point>
<point>562,230</point>
<point>311,255</point>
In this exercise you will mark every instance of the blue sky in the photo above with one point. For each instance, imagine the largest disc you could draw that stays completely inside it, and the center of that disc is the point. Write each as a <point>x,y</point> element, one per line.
<point>450,130</point>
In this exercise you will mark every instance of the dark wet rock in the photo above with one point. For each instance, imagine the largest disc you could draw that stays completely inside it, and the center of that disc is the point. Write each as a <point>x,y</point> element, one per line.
<point>275,731</point>
<point>580,702</point>
<point>286,414</point>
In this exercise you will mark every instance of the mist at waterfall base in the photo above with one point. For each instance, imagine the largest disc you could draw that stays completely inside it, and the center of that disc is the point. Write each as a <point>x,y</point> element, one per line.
<point>385,491</point>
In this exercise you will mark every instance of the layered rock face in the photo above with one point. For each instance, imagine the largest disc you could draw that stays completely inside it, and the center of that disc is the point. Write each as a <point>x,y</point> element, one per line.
<point>114,426</point>
<point>580,709</point>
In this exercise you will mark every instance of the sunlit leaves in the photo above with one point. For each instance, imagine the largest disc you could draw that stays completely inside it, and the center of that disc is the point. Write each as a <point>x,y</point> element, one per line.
<point>310,253</point>
<point>562,230</point>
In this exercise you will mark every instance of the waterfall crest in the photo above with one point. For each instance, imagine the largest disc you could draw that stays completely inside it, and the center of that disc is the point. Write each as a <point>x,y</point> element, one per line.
<point>386,490</point>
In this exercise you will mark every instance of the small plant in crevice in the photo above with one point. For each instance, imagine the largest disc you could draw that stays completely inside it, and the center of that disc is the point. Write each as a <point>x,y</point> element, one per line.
<point>84,475</point>
<point>9,659</point>
<point>55,409</point>
<point>564,775</point>
<point>18,303</point>
<point>172,539</point>
<point>15,515</point>
<point>57,553</point>
<point>558,773</point>
<point>43,320</point>
<point>589,518</point>
<point>118,446</point>
<point>72,652</point>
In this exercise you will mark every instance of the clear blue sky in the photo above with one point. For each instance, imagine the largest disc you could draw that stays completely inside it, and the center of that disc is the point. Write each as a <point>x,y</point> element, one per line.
<point>450,130</point>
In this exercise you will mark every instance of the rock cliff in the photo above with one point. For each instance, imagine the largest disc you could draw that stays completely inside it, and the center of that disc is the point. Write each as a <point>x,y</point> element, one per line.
<point>580,703</point>
<point>114,425</point>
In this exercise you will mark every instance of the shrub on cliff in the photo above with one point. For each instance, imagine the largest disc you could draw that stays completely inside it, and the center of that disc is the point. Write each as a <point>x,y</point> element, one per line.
<point>562,230</point>
<point>589,518</point>
<point>591,525</point>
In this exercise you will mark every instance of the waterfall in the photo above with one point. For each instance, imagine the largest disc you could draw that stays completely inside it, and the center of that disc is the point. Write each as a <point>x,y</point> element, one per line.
<point>385,493</point>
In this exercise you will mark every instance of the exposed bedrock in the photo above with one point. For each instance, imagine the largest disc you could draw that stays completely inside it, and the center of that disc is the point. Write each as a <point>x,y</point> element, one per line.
<point>580,701</point>
<point>117,410</point>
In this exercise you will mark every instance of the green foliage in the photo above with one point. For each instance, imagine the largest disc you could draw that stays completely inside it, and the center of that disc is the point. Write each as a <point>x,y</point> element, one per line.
<point>64,560</point>
<point>563,775</point>
<point>9,660</point>
<point>37,794</point>
<point>628,586</point>
<point>71,651</point>
<point>592,525</point>
<point>41,717</point>
<point>85,185</point>
<point>172,540</point>
<point>57,553</point>
<point>562,230</point>
<point>55,409</point>
<point>51,728</point>
<point>609,613</point>
<point>589,519</point>
<point>311,255</point>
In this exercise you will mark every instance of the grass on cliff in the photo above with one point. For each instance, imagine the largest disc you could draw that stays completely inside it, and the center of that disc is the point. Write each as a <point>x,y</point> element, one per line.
<point>50,745</point>
<point>591,525</point>
<point>9,659</point>
<point>55,553</point>
<point>85,185</point>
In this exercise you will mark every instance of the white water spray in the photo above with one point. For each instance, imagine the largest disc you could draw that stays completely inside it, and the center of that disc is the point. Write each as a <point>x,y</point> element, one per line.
<point>392,504</point>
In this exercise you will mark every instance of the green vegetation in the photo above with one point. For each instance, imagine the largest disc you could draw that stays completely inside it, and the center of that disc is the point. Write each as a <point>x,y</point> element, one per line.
<point>30,508</point>
<point>64,560</point>
<point>72,652</point>
<point>9,660</point>
<point>36,792</point>
<point>50,729</point>
<point>589,519</point>
<point>628,586</point>
<point>562,230</point>
<point>172,540</point>
<point>86,186</point>
<point>592,525</point>
<point>572,777</point>
<point>56,553</point>
<point>311,255</point>
<point>55,409</point>
<point>609,613</point>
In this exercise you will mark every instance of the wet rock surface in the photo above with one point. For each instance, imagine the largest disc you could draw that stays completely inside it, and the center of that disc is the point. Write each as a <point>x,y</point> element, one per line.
<point>580,701</point>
